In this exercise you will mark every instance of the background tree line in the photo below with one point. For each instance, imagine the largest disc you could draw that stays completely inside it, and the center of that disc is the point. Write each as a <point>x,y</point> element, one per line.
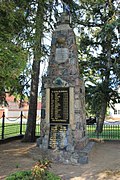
<point>23,27</point>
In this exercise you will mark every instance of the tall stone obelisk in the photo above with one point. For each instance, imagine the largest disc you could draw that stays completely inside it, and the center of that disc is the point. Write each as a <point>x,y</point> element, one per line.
<point>63,97</point>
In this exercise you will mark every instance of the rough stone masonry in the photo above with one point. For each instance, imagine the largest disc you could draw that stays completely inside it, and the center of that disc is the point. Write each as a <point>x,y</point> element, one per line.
<point>63,99</point>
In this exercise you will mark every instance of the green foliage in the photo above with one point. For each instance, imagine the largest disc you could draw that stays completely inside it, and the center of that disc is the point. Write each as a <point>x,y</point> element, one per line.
<point>12,62</point>
<point>99,53</point>
<point>25,175</point>
<point>51,176</point>
<point>38,172</point>
<point>17,165</point>
<point>13,55</point>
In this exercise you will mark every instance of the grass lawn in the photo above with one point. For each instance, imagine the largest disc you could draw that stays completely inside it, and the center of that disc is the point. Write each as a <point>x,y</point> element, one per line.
<point>13,129</point>
<point>109,132</point>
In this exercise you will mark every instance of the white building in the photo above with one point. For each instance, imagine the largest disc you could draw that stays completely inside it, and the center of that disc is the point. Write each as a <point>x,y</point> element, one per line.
<point>115,113</point>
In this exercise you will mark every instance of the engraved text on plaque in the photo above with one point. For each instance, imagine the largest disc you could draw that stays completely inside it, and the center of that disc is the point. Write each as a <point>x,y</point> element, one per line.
<point>58,136</point>
<point>59,105</point>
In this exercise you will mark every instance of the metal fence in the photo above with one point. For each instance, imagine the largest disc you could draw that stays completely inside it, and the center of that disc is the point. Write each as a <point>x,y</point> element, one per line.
<point>111,131</point>
<point>15,126</point>
<point>11,127</point>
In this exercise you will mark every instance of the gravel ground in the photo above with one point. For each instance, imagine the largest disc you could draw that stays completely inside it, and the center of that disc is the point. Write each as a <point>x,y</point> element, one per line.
<point>104,161</point>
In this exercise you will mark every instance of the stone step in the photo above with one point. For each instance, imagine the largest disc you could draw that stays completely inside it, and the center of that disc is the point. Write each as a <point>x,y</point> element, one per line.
<point>84,153</point>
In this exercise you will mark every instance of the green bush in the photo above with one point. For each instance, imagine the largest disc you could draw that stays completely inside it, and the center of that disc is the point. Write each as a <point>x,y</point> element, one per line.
<point>27,175</point>
<point>38,172</point>
<point>51,176</point>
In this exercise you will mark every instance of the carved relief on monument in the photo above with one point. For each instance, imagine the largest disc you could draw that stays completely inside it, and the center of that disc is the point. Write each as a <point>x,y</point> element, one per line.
<point>60,82</point>
<point>61,40</point>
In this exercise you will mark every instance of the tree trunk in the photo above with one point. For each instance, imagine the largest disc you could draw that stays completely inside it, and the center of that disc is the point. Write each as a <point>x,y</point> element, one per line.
<point>105,98</point>
<point>101,117</point>
<point>32,113</point>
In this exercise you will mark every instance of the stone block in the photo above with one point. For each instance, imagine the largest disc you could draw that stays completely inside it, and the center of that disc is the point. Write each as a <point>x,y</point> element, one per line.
<point>39,141</point>
<point>73,160</point>
<point>77,96</point>
<point>77,117</point>
<point>79,146</point>
<point>83,160</point>
<point>77,104</point>
<point>70,148</point>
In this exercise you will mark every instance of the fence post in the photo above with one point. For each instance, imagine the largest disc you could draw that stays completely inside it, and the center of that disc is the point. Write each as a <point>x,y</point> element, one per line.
<point>21,115</point>
<point>3,124</point>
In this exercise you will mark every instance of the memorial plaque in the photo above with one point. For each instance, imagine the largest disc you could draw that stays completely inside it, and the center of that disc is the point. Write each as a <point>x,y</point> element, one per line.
<point>62,55</point>
<point>59,105</point>
<point>58,136</point>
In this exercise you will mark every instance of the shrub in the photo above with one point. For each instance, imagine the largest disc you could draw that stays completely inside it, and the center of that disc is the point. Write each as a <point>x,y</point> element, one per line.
<point>51,176</point>
<point>40,169</point>
<point>38,172</point>
<point>26,175</point>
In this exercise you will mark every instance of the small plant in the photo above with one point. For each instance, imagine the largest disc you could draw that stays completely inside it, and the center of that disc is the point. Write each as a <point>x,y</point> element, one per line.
<point>40,169</point>
<point>17,166</point>
<point>38,172</point>
<point>52,176</point>
<point>24,175</point>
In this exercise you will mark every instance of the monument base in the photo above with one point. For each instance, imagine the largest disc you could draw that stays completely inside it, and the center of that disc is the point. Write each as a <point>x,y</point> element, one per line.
<point>76,155</point>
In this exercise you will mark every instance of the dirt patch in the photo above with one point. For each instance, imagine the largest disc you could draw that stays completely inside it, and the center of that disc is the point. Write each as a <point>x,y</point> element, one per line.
<point>104,161</point>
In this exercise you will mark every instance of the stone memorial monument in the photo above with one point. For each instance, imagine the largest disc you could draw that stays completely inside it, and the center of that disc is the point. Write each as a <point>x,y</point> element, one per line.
<point>63,98</point>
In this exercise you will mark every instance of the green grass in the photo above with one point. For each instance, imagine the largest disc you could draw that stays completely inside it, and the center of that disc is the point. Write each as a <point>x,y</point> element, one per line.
<point>13,129</point>
<point>109,132</point>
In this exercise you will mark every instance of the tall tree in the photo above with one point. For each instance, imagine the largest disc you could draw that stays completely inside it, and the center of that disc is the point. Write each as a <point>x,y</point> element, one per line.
<point>99,54</point>
<point>37,53</point>
<point>13,55</point>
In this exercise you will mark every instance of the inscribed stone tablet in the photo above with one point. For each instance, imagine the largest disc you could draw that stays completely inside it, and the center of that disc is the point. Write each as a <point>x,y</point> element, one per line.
<point>59,105</point>
<point>61,55</point>
<point>58,136</point>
